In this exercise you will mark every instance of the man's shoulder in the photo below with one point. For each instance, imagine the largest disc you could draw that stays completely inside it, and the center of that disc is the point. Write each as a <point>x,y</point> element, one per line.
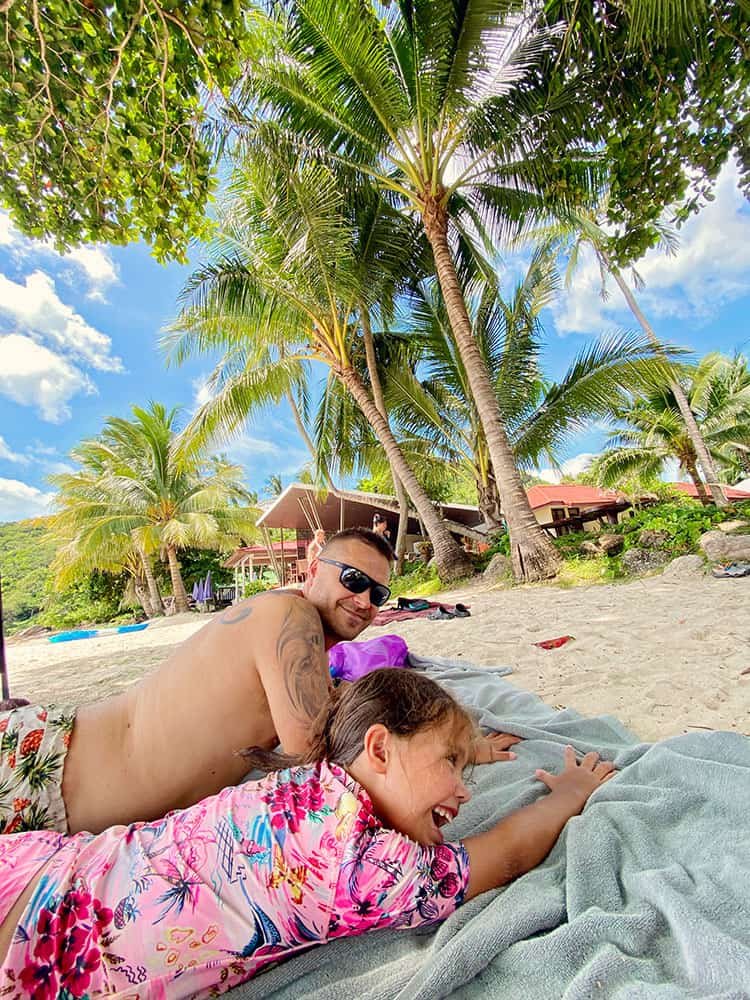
<point>270,606</point>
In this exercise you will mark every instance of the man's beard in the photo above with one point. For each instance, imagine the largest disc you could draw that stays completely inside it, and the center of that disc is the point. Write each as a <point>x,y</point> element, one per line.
<point>354,625</point>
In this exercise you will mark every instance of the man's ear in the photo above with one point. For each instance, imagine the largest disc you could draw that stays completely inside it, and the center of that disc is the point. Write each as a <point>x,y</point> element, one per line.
<point>312,572</point>
<point>377,747</point>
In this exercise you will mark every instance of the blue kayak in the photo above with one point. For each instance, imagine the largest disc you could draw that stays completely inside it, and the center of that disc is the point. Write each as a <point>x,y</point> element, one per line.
<point>92,633</point>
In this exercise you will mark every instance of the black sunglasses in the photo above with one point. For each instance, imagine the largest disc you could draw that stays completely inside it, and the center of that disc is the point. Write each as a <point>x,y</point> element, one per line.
<point>358,582</point>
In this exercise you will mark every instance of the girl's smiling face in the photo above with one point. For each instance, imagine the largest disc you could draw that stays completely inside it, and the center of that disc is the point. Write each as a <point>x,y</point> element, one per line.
<point>421,786</point>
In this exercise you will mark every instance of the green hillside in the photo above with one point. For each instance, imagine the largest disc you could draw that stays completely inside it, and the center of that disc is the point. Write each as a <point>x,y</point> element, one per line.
<point>24,562</point>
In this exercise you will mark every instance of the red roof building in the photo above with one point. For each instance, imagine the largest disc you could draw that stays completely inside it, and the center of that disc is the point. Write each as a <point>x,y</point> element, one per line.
<point>729,491</point>
<point>570,495</point>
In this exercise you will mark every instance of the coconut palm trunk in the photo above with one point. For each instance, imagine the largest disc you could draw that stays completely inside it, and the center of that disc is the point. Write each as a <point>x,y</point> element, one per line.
<point>178,587</point>
<point>692,471</point>
<point>704,458</point>
<point>155,601</point>
<point>142,594</point>
<point>452,562</point>
<point>377,393</point>
<point>489,502</point>
<point>532,554</point>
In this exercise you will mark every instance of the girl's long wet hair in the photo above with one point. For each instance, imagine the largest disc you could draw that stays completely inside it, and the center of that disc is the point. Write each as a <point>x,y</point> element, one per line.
<point>406,702</point>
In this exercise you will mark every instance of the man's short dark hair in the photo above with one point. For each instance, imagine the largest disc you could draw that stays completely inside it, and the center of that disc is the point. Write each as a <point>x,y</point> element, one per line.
<point>366,537</point>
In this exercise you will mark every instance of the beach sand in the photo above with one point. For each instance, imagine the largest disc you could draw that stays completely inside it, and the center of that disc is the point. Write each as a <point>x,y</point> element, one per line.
<point>663,656</point>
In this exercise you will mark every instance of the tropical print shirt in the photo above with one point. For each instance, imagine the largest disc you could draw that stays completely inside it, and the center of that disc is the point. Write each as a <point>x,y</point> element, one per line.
<point>205,898</point>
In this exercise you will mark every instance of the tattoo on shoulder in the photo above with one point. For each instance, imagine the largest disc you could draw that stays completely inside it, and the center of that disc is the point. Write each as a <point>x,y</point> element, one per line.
<point>301,654</point>
<point>235,615</point>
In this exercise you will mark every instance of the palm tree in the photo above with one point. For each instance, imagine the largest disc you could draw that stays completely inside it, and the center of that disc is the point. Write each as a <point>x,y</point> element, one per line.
<point>143,487</point>
<point>578,226</point>
<point>274,487</point>
<point>718,392</point>
<point>115,551</point>
<point>439,410</point>
<point>443,106</point>
<point>284,275</point>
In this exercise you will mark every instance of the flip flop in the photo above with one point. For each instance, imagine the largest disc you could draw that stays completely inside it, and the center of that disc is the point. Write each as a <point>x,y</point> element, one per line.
<point>461,611</point>
<point>441,613</point>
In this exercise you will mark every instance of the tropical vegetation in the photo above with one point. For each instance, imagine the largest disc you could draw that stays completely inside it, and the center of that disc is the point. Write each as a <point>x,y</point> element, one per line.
<point>143,488</point>
<point>652,430</point>
<point>101,108</point>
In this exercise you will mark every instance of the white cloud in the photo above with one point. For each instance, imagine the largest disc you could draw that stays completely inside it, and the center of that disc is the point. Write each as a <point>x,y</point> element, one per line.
<point>19,500</point>
<point>572,467</point>
<point>39,448</point>
<point>93,261</point>
<point>37,309</point>
<point>32,375</point>
<point>250,446</point>
<point>8,455</point>
<point>711,268</point>
<point>202,392</point>
<point>280,457</point>
<point>97,265</point>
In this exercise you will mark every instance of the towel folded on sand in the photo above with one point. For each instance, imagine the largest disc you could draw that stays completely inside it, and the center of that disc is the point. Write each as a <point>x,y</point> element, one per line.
<point>645,895</point>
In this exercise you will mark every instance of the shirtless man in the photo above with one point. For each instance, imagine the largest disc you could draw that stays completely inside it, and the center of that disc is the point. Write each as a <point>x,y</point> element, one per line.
<point>254,676</point>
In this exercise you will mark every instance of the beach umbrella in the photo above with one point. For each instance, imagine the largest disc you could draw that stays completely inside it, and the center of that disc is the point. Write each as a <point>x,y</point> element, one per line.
<point>195,591</point>
<point>199,595</point>
<point>208,590</point>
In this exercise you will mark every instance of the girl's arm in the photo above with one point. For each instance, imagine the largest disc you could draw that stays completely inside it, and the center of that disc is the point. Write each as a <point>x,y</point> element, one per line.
<point>522,840</point>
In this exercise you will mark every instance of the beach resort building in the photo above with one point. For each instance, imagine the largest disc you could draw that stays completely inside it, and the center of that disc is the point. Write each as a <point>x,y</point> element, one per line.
<point>302,508</point>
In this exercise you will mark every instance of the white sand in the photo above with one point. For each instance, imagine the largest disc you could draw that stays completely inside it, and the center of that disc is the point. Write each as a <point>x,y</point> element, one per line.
<point>665,657</point>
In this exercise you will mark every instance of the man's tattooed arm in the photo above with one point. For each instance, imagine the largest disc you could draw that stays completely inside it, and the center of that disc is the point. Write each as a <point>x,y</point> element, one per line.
<point>301,656</point>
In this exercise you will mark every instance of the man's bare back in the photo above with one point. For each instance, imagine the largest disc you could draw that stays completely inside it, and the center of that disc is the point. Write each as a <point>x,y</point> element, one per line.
<point>171,739</point>
<point>254,676</point>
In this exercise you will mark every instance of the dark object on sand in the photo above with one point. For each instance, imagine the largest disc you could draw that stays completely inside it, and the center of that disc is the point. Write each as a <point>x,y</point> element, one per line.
<point>412,604</point>
<point>735,569</point>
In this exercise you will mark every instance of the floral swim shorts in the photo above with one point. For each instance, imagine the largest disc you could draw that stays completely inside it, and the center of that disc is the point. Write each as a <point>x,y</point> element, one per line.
<point>33,743</point>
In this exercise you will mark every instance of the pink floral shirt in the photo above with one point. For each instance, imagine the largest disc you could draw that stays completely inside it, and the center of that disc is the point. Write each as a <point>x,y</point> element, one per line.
<point>204,899</point>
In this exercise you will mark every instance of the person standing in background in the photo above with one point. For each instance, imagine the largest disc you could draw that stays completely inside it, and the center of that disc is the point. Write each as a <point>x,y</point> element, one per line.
<point>380,526</point>
<point>316,545</point>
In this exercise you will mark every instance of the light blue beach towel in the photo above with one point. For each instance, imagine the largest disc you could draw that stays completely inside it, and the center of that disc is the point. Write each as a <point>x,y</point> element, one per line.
<point>646,895</point>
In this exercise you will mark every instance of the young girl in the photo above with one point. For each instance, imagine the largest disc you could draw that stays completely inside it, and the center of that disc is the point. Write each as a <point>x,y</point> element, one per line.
<point>346,841</point>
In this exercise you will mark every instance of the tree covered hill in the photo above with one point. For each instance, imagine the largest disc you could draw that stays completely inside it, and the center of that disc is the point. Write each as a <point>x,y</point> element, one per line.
<point>25,556</point>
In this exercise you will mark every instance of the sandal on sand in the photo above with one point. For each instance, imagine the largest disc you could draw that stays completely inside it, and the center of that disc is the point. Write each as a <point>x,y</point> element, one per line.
<point>734,569</point>
<point>461,611</point>
<point>440,613</point>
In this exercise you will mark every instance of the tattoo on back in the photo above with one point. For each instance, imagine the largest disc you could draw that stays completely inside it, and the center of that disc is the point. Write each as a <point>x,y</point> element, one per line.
<point>301,654</point>
<point>235,615</point>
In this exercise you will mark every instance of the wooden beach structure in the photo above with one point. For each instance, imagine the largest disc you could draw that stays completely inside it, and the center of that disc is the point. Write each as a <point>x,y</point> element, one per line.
<point>303,508</point>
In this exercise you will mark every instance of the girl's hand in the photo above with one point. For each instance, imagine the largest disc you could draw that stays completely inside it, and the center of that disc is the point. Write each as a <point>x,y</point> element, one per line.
<point>578,779</point>
<point>494,747</point>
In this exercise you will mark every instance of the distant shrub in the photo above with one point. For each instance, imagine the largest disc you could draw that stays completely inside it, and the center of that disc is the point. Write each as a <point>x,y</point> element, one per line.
<point>577,572</point>
<point>684,521</point>
<point>253,587</point>
<point>418,580</point>
<point>500,543</point>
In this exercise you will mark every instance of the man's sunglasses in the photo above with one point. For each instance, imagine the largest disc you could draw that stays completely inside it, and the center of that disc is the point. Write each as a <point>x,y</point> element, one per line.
<point>358,582</point>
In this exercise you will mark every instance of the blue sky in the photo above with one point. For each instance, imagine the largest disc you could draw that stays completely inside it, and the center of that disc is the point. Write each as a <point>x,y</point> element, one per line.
<point>79,342</point>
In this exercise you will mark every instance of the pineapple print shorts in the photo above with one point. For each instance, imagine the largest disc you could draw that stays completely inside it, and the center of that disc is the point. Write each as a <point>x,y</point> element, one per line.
<point>33,743</point>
